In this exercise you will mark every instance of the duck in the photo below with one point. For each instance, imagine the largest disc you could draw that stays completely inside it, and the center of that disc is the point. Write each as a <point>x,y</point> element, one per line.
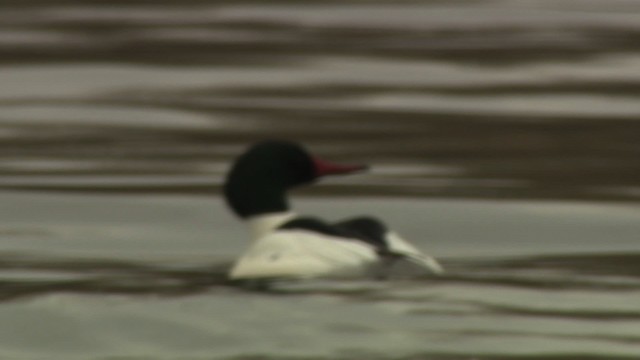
<point>288,245</point>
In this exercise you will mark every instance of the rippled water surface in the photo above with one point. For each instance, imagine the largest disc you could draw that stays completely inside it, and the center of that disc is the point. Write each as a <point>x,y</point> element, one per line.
<point>504,138</point>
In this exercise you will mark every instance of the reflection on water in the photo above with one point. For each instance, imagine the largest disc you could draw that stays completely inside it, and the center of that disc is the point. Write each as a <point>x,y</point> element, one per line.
<point>523,100</point>
<point>560,279</point>
<point>476,99</point>
<point>24,277</point>
<point>508,300</point>
<point>589,272</point>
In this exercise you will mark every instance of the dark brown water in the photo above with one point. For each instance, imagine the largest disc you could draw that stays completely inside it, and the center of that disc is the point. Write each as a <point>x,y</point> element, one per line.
<point>494,100</point>
<point>504,137</point>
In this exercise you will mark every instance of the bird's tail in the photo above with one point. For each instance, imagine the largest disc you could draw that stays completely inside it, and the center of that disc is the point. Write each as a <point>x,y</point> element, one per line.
<point>401,247</point>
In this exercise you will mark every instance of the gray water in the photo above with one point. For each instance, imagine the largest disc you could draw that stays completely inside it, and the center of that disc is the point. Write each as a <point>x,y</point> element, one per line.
<point>503,138</point>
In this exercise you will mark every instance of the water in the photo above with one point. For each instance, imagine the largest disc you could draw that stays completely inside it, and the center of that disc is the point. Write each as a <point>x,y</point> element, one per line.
<point>503,137</point>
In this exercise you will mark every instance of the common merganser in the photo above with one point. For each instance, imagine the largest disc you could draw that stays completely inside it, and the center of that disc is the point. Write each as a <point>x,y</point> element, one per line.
<point>287,245</point>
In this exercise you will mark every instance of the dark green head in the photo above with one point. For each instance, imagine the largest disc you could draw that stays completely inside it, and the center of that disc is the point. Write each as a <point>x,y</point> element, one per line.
<point>259,178</point>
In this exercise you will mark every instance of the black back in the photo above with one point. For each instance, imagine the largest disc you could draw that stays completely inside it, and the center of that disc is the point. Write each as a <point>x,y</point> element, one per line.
<point>366,229</point>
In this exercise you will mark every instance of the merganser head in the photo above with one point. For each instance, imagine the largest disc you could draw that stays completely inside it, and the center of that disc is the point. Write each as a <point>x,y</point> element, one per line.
<point>259,178</point>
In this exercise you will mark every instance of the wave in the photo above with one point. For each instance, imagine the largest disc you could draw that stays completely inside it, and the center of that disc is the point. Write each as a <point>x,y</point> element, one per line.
<point>30,276</point>
<point>480,301</point>
<point>231,34</point>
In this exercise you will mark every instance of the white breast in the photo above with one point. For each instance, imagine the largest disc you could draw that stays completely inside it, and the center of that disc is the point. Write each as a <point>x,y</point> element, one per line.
<point>304,254</point>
